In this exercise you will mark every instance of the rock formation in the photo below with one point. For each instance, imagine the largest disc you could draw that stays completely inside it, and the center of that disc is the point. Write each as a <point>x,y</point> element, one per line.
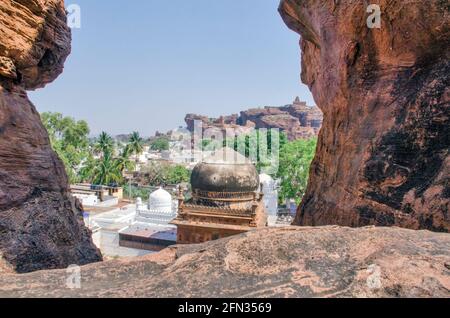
<point>297,120</point>
<point>289,262</point>
<point>41,225</point>
<point>383,152</point>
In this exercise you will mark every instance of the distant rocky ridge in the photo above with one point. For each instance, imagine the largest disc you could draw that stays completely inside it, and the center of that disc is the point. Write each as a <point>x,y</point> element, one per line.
<point>298,120</point>
<point>41,225</point>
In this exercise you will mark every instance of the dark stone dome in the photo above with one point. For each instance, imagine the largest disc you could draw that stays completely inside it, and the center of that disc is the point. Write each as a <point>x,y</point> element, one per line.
<point>234,173</point>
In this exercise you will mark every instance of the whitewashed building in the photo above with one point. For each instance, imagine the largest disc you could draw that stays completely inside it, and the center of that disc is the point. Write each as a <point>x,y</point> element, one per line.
<point>159,211</point>
<point>151,230</point>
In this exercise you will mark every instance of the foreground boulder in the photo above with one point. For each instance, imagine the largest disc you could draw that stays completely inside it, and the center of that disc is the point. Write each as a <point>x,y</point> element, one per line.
<point>383,152</point>
<point>286,262</point>
<point>41,226</point>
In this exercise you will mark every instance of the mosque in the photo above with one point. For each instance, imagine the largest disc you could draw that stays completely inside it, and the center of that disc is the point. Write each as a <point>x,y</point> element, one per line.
<point>151,229</point>
<point>225,199</point>
<point>160,210</point>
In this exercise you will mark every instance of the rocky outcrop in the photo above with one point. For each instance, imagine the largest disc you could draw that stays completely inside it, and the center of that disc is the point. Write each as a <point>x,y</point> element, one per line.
<point>41,226</point>
<point>35,41</point>
<point>297,120</point>
<point>287,262</point>
<point>383,151</point>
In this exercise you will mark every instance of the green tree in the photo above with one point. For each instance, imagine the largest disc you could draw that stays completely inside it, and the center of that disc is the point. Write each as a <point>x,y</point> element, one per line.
<point>69,139</point>
<point>133,192</point>
<point>154,173</point>
<point>294,167</point>
<point>106,171</point>
<point>157,173</point>
<point>160,144</point>
<point>123,162</point>
<point>104,144</point>
<point>136,144</point>
<point>86,172</point>
<point>177,174</point>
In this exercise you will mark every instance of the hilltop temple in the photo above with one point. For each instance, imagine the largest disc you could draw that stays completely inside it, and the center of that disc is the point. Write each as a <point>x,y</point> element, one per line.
<point>225,199</point>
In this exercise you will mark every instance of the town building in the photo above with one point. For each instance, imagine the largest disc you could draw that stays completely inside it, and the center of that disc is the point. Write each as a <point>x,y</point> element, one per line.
<point>106,223</point>
<point>97,196</point>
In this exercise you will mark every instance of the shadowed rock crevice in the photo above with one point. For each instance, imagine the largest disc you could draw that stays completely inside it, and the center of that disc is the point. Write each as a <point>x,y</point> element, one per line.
<point>383,152</point>
<point>41,225</point>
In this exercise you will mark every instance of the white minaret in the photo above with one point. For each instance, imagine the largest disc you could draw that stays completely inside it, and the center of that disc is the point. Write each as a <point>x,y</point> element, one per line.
<point>269,189</point>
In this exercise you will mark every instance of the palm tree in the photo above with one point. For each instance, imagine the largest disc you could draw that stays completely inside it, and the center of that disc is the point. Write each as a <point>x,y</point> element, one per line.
<point>136,145</point>
<point>87,171</point>
<point>104,144</point>
<point>123,162</point>
<point>106,171</point>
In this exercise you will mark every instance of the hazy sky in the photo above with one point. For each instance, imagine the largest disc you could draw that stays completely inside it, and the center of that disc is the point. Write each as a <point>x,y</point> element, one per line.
<point>143,64</point>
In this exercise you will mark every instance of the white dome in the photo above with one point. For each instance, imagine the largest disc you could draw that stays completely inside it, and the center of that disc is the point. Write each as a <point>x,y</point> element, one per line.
<point>160,201</point>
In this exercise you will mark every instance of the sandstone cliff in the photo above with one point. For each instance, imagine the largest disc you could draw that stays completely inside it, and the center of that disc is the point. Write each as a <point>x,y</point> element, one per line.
<point>289,262</point>
<point>41,226</point>
<point>297,120</point>
<point>383,152</point>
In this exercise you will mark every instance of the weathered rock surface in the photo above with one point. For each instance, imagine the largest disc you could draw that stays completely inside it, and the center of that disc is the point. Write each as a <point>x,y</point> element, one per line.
<point>34,42</point>
<point>288,262</point>
<point>41,226</point>
<point>297,120</point>
<point>383,151</point>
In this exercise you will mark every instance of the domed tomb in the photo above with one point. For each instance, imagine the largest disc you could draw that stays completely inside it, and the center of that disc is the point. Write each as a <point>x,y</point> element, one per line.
<point>225,179</point>
<point>225,171</point>
<point>225,199</point>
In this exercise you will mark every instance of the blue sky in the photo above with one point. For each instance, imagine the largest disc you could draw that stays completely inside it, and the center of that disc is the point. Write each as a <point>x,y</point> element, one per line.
<point>143,64</point>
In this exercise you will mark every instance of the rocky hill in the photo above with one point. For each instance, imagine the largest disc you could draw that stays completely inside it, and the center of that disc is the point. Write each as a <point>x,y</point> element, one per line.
<point>41,226</point>
<point>297,120</point>
<point>289,262</point>
<point>383,151</point>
